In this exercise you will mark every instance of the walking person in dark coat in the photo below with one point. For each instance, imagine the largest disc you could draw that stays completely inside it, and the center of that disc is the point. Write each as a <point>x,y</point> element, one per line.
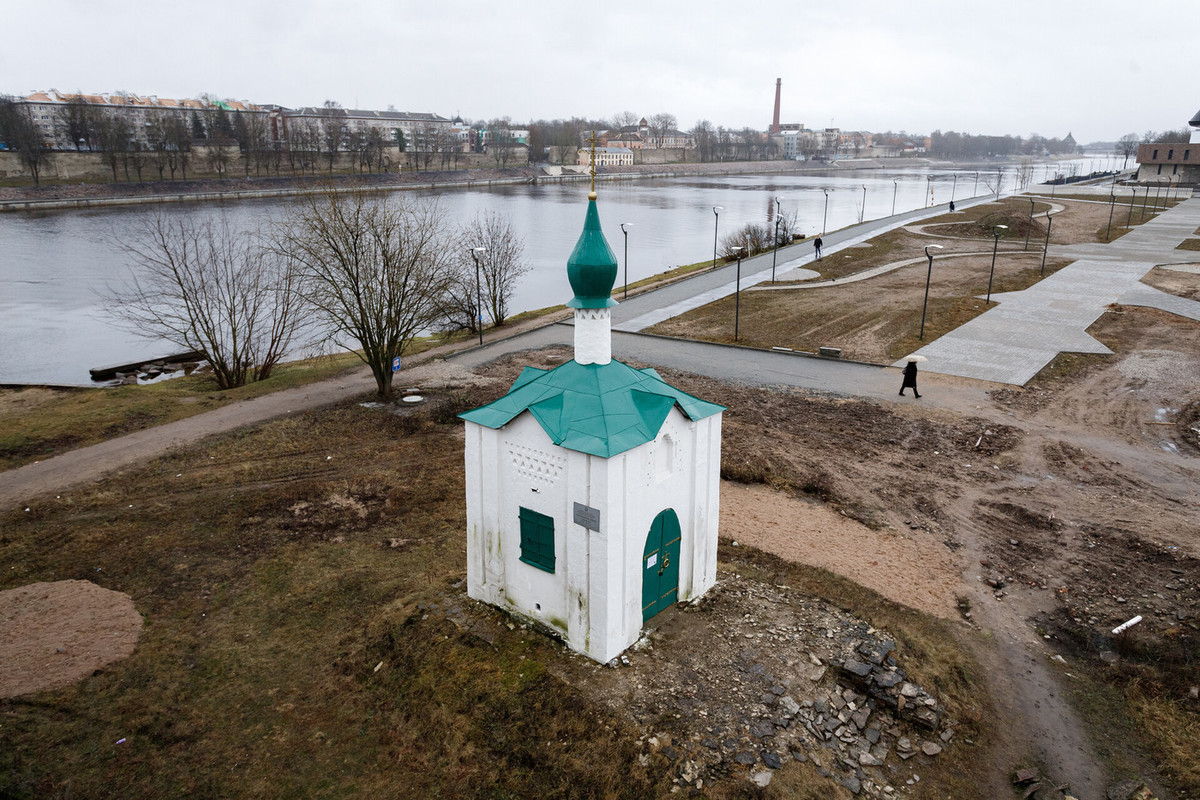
<point>910,379</point>
<point>817,247</point>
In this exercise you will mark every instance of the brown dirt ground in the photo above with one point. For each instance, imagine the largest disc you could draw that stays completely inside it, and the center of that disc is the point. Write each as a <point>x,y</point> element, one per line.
<point>53,634</point>
<point>914,572</point>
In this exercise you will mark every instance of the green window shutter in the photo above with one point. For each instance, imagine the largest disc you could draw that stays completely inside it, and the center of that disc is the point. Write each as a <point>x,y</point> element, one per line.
<point>537,540</point>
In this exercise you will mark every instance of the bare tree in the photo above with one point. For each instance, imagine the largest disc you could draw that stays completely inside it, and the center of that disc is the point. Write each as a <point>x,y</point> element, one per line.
<point>112,135</point>
<point>334,129</point>
<point>21,133</point>
<point>501,141</point>
<point>624,119</point>
<point>1127,146</point>
<point>203,287</point>
<point>374,269</point>
<point>78,122</point>
<point>752,238</point>
<point>660,126</point>
<point>501,264</point>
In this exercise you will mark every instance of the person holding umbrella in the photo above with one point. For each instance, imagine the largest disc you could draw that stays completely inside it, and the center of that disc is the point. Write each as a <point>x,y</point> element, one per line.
<point>910,376</point>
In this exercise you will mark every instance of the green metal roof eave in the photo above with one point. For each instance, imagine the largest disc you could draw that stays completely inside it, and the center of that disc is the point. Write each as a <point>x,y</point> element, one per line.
<point>591,302</point>
<point>599,409</point>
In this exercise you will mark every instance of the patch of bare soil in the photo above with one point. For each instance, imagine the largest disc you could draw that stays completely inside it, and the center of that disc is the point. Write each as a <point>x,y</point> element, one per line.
<point>53,634</point>
<point>915,572</point>
<point>17,400</point>
<point>1181,280</point>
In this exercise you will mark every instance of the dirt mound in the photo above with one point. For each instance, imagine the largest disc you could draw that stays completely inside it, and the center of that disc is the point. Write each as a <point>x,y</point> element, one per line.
<point>53,634</point>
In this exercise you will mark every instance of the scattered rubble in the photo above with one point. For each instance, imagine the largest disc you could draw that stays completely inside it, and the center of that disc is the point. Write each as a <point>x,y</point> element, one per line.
<point>772,675</point>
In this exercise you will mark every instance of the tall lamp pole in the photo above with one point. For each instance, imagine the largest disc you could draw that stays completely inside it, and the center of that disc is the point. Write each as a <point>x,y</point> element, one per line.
<point>716,222</point>
<point>1046,246</point>
<point>929,184</point>
<point>995,244</point>
<point>737,293</point>
<point>475,251</point>
<point>1132,201</point>
<point>895,188</point>
<point>1029,229</point>
<point>825,219</point>
<point>1112,199</point>
<point>999,180</point>
<point>775,251</point>
<point>928,275</point>
<point>625,230</point>
<point>953,186</point>
<point>975,191</point>
<point>862,212</point>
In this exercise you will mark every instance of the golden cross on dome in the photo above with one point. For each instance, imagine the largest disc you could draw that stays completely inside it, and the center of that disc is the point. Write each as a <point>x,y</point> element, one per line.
<point>592,170</point>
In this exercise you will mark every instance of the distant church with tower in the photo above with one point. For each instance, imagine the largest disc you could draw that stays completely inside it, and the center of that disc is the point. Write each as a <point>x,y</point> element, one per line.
<point>592,488</point>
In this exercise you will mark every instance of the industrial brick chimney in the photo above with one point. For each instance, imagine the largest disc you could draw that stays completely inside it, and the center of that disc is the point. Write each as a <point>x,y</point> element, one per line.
<point>775,119</point>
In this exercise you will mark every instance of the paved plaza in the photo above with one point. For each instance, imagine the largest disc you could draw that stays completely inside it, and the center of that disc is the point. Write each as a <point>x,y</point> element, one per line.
<point>1024,331</point>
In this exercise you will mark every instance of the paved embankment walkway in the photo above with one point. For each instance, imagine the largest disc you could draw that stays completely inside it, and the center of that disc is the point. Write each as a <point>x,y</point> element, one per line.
<point>647,310</point>
<point>1013,341</point>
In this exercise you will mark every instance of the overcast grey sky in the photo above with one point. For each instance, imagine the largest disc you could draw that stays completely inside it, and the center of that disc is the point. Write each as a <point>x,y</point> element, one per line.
<point>1098,69</point>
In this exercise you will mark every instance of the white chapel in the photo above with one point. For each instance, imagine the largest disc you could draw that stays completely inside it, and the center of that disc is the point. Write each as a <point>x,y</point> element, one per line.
<point>592,488</point>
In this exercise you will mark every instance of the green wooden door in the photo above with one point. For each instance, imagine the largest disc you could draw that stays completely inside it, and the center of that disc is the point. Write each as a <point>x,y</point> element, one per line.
<point>660,565</point>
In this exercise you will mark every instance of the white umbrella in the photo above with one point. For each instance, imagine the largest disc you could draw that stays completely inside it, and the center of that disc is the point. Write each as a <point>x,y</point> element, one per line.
<point>914,359</point>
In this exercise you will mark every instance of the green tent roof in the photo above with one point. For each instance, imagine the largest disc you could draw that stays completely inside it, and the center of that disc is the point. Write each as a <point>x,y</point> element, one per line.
<point>600,409</point>
<point>592,267</point>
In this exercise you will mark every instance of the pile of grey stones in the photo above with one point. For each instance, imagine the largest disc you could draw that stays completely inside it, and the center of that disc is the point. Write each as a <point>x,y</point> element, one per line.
<point>771,676</point>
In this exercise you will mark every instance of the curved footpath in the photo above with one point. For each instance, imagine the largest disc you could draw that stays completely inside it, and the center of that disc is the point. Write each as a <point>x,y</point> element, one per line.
<point>22,484</point>
<point>764,367</point>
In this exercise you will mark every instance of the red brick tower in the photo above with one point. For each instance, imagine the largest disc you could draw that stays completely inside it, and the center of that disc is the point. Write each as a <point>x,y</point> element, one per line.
<point>775,119</point>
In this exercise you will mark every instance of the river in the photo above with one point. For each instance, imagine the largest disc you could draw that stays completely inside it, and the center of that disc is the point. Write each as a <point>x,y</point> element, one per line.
<point>56,267</point>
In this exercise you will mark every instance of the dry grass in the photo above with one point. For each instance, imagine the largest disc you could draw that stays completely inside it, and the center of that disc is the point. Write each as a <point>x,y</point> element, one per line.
<point>307,634</point>
<point>877,320</point>
<point>276,568</point>
<point>36,423</point>
<point>1188,244</point>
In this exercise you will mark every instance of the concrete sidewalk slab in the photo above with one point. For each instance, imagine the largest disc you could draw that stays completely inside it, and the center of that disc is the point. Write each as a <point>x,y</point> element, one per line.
<point>1026,330</point>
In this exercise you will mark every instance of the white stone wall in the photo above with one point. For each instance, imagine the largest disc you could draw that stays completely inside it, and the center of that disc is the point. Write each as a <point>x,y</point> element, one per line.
<point>593,598</point>
<point>593,335</point>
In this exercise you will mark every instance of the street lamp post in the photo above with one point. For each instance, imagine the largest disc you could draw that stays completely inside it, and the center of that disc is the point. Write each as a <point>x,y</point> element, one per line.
<point>1029,229</point>
<point>737,292</point>
<point>1112,199</point>
<point>775,250</point>
<point>928,275</point>
<point>625,230</point>
<point>975,191</point>
<point>862,212</point>
<point>1132,201</point>
<point>825,219</point>
<point>929,184</point>
<point>953,186</point>
<point>475,251</point>
<point>895,188</point>
<point>716,222</point>
<point>1046,246</point>
<point>999,180</point>
<point>995,245</point>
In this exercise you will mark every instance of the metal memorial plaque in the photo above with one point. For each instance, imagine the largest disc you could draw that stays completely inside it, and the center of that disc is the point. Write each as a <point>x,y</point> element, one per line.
<point>588,517</point>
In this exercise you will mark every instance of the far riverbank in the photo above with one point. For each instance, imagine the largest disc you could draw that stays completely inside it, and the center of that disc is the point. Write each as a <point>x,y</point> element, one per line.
<point>90,195</point>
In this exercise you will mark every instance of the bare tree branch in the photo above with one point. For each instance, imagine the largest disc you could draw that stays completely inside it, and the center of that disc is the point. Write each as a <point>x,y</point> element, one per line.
<point>375,270</point>
<point>203,287</point>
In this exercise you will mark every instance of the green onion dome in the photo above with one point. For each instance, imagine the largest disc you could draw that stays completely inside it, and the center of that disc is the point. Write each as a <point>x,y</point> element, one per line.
<point>592,267</point>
